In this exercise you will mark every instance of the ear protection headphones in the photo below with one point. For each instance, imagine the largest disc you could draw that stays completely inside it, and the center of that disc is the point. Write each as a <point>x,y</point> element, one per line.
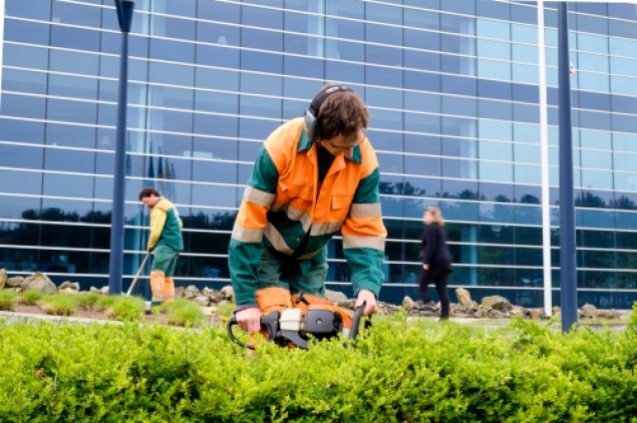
<point>311,114</point>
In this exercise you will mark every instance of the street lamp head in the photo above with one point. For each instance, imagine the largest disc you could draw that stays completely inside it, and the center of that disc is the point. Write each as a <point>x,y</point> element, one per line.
<point>124,14</point>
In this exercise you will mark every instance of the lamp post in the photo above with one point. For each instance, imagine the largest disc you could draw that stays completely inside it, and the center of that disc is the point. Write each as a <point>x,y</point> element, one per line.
<point>125,10</point>
<point>568,280</point>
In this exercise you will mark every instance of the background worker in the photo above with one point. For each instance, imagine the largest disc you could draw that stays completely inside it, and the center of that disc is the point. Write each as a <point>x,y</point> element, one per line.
<point>436,258</point>
<point>313,177</point>
<point>165,241</point>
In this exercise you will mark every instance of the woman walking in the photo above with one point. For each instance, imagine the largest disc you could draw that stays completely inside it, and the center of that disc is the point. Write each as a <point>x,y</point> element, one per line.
<point>436,259</point>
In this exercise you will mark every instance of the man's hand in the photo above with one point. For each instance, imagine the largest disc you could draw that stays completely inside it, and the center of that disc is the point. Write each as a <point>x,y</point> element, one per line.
<point>425,266</point>
<point>368,297</point>
<point>249,319</point>
<point>150,249</point>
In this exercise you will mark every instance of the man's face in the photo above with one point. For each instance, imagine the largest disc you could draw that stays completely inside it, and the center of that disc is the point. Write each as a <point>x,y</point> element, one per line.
<point>150,201</point>
<point>342,145</point>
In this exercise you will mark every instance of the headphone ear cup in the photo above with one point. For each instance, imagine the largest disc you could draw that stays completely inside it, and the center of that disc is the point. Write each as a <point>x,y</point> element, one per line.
<point>310,126</point>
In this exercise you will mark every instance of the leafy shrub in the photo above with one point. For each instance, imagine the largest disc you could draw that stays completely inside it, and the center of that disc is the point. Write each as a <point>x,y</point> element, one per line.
<point>183,312</point>
<point>225,311</point>
<point>104,302</point>
<point>88,301</point>
<point>30,297</point>
<point>396,373</point>
<point>8,300</point>
<point>59,304</point>
<point>126,308</point>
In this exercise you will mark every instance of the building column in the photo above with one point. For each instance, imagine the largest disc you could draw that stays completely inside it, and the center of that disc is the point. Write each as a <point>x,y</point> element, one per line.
<point>1,45</point>
<point>544,144</point>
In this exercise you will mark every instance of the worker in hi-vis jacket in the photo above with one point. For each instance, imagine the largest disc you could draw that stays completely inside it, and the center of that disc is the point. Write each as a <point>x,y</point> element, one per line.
<point>315,176</point>
<point>165,241</point>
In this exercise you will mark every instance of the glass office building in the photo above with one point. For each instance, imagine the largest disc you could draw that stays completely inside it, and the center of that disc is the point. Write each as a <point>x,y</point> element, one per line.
<point>452,86</point>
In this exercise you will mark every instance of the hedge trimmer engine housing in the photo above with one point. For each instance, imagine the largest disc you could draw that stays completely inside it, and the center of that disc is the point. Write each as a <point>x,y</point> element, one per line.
<point>290,326</point>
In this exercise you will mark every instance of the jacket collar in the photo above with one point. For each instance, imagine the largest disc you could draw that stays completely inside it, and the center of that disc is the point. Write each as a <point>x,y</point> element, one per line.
<point>305,144</point>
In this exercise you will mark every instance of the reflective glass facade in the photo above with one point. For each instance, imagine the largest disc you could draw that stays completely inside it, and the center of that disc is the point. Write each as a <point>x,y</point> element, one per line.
<point>452,87</point>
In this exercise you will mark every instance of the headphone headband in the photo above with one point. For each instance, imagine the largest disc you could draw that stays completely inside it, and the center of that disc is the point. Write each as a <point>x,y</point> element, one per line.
<point>320,98</point>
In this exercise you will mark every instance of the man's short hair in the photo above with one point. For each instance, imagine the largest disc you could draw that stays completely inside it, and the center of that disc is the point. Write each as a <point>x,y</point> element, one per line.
<point>148,192</point>
<point>342,113</point>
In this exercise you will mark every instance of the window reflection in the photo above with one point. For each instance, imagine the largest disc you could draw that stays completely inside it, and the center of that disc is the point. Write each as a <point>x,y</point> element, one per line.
<point>27,32</point>
<point>460,168</point>
<point>72,111</point>
<point>377,75</point>
<point>261,61</point>
<point>211,124</point>
<point>260,106</point>
<point>209,148</point>
<point>466,190</point>
<point>460,210</point>
<point>21,81</point>
<point>23,106</point>
<point>75,38</point>
<point>19,182</point>
<point>175,51</point>
<point>69,86</point>
<point>69,160</point>
<point>256,129</point>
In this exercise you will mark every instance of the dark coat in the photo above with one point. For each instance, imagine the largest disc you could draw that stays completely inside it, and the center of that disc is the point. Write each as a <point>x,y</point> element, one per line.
<point>434,250</point>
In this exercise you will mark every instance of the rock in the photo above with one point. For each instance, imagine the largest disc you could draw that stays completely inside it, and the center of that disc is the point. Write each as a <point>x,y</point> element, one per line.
<point>104,290</point>
<point>609,314</point>
<point>535,313</point>
<point>39,282</point>
<point>430,306</point>
<point>555,310</point>
<point>3,278</point>
<point>93,290</point>
<point>335,296</point>
<point>517,311</point>
<point>495,314</point>
<point>408,303</point>
<point>192,292</point>
<point>228,291</point>
<point>202,300</point>
<point>70,285</point>
<point>348,304</point>
<point>179,292</point>
<point>385,309</point>
<point>497,302</point>
<point>215,296</point>
<point>464,299</point>
<point>589,311</point>
<point>14,282</point>
<point>68,290</point>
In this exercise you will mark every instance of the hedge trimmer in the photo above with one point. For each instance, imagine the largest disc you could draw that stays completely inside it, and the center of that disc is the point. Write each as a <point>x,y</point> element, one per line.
<point>290,326</point>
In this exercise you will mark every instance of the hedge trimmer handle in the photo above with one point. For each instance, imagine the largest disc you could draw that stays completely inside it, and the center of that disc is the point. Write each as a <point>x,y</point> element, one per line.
<point>269,323</point>
<point>358,315</point>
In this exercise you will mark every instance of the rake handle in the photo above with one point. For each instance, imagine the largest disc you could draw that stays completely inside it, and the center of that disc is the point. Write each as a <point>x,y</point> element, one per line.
<point>139,272</point>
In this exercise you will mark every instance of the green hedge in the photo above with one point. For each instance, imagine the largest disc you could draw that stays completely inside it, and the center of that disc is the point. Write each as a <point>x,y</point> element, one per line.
<point>397,373</point>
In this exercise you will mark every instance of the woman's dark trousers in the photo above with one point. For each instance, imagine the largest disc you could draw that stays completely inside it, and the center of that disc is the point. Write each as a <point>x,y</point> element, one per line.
<point>440,280</point>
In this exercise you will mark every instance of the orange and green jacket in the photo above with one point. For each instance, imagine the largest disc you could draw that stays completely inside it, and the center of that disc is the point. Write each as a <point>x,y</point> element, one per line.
<point>165,226</point>
<point>282,201</point>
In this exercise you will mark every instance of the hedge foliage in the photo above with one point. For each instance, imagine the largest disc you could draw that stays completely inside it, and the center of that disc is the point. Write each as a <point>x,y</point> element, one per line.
<point>398,372</point>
